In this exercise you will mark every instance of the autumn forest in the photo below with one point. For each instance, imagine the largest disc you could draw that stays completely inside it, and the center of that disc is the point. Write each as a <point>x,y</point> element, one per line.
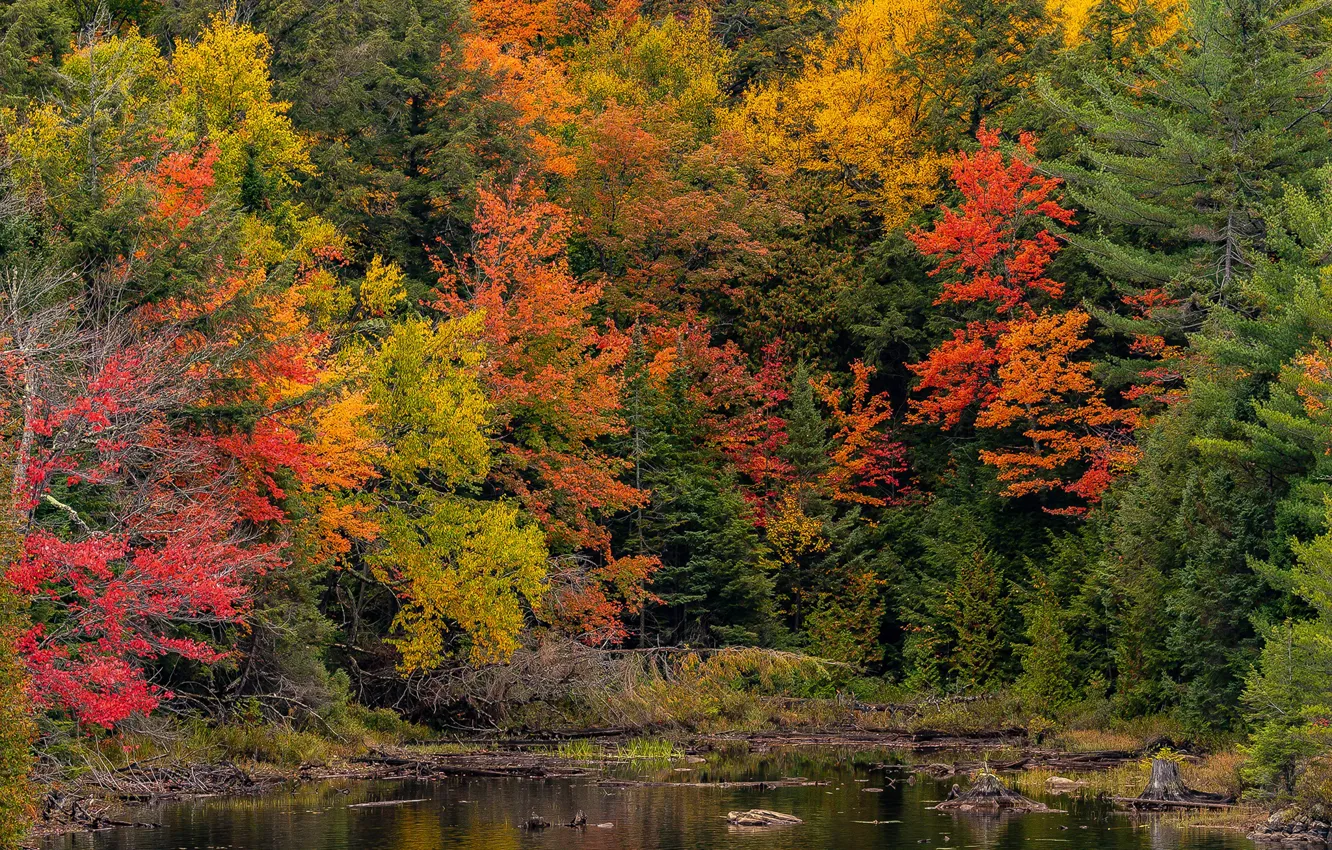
<point>389,367</point>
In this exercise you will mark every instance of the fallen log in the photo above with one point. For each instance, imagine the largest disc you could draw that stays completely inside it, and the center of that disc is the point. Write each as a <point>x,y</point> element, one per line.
<point>761,817</point>
<point>770,783</point>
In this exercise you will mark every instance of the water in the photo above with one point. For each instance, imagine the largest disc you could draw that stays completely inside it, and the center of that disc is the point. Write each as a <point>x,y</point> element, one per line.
<point>483,814</point>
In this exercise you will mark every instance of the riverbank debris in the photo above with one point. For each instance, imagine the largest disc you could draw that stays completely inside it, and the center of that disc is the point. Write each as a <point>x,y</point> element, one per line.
<point>988,795</point>
<point>1063,785</point>
<point>761,817</point>
<point>579,820</point>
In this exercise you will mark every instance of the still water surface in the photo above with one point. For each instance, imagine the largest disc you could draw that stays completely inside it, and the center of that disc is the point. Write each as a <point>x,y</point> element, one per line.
<point>483,814</point>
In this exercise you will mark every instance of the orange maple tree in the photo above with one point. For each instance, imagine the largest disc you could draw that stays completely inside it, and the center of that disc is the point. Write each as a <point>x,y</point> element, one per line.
<point>555,379</point>
<point>1016,369</point>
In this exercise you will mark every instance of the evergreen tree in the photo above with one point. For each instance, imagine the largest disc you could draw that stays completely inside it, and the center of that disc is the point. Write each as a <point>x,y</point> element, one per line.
<point>1288,696</point>
<point>1047,672</point>
<point>975,60</point>
<point>1179,166</point>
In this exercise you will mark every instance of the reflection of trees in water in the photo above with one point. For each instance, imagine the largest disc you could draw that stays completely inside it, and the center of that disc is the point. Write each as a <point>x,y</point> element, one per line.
<point>1164,836</point>
<point>839,814</point>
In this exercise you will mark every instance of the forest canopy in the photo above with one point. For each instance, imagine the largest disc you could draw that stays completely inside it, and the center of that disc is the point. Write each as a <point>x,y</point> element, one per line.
<point>981,346</point>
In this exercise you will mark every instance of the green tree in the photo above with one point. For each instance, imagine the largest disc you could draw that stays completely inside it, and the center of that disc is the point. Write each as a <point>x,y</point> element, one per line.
<point>1179,168</point>
<point>1047,675</point>
<point>975,60</point>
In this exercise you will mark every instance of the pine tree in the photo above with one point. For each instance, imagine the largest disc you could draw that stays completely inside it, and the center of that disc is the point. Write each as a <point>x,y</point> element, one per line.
<point>806,446</point>
<point>1047,671</point>
<point>1180,165</point>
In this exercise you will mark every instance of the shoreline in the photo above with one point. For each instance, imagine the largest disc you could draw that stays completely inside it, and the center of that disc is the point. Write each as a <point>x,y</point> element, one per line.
<point>116,792</point>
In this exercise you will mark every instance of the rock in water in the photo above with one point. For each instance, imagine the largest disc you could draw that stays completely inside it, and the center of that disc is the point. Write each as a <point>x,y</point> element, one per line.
<point>988,794</point>
<point>761,817</point>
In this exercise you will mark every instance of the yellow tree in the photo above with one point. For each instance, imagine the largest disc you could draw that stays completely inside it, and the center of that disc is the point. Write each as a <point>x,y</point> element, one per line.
<point>224,92</point>
<point>850,116</point>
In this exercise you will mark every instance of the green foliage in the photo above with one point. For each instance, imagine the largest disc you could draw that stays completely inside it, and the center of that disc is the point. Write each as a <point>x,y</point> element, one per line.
<point>16,729</point>
<point>975,59</point>
<point>1047,671</point>
<point>1180,175</point>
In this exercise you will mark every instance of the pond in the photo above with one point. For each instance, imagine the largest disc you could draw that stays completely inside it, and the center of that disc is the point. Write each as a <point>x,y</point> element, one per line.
<point>485,813</point>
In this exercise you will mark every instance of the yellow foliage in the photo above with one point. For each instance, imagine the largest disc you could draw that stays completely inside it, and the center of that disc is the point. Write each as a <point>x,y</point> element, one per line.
<point>110,111</point>
<point>792,532</point>
<point>675,67</point>
<point>225,89</point>
<point>429,403</point>
<point>466,564</point>
<point>382,290</point>
<point>849,116</point>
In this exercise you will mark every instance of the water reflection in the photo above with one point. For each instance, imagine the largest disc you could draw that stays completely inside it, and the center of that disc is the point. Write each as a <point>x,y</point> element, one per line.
<point>483,814</point>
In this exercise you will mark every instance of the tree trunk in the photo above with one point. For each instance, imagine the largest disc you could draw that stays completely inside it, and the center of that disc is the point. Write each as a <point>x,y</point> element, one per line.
<point>1166,785</point>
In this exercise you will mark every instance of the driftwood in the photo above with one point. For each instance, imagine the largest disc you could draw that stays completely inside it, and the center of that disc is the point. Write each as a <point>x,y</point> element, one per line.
<point>69,810</point>
<point>382,803</point>
<point>761,817</point>
<point>1166,789</point>
<point>988,795</point>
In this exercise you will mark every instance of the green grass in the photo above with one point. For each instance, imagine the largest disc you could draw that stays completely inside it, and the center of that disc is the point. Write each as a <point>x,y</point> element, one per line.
<point>649,748</point>
<point>580,748</point>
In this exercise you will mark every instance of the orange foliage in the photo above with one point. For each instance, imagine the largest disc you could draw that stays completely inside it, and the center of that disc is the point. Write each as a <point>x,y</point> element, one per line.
<point>1055,400</point>
<point>535,89</point>
<point>555,381</point>
<point>1017,370</point>
<point>531,22</point>
<point>865,459</point>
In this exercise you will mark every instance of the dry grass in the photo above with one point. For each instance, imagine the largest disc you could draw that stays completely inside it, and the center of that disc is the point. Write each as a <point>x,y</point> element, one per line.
<point>1124,735</point>
<point>1218,773</point>
<point>1096,740</point>
<point>1125,780</point>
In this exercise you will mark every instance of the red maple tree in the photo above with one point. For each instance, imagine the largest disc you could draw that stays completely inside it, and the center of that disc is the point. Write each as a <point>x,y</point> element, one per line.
<point>1016,369</point>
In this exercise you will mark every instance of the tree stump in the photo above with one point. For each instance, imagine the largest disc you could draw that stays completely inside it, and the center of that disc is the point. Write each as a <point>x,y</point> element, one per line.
<point>536,821</point>
<point>988,794</point>
<point>1166,785</point>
